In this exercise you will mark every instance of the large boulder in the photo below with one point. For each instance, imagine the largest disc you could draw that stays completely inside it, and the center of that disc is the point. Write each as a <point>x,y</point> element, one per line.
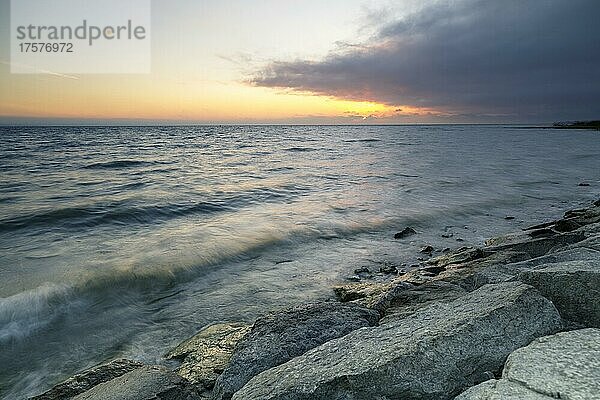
<point>562,366</point>
<point>573,287</point>
<point>434,353</point>
<point>281,336</point>
<point>145,383</point>
<point>205,355</point>
<point>89,378</point>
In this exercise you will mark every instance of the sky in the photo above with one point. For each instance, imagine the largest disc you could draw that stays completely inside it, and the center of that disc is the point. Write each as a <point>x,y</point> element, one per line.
<point>334,62</point>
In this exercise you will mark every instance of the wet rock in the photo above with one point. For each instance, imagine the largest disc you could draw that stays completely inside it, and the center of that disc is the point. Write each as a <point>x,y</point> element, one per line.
<point>361,291</point>
<point>434,353</point>
<point>362,270</point>
<point>144,383</point>
<point>428,249</point>
<point>206,354</point>
<point>388,269</point>
<point>406,232</point>
<point>281,336</point>
<point>89,378</point>
<point>462,255</point>
<point>573,287</point>
<point>563,366</point>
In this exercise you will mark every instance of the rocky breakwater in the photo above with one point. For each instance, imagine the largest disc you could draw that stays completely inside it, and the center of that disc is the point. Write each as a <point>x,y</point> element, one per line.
<point>517,318</point>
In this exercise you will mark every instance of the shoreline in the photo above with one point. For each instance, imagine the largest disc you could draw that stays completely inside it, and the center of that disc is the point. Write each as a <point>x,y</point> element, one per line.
<point>367,343</point>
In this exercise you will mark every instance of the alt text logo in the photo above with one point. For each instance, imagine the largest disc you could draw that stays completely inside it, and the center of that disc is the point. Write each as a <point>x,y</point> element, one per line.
<point>80,36</point>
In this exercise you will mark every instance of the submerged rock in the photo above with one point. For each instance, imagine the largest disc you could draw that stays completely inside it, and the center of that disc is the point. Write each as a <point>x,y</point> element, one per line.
<point>89,378</point>
<point>562,366</point>
<point>280,336</point>
<point>433,354</point>
<point>206,354</point>
<point>145,383</point>
<point>574,287</point>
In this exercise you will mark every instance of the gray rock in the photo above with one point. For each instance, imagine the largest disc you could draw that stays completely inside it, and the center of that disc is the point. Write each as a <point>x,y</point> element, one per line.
<point>281,336</point>
<point>540,246</point>
<point>402,303</point>
<point>500,390</point>
<point>433,354</point>
<point>89,378</point>
<point>573,287</point>
<point>206,354</point>
<point>503,272</point>
<point>145,383</point>
<point>562,366</point>
<point>406,232</point>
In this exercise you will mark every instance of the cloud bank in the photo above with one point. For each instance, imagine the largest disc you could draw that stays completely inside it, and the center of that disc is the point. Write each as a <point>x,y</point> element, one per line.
<point>477,60</point>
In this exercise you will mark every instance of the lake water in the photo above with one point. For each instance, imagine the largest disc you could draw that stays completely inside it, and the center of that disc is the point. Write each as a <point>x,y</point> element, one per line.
<point>122,241</point>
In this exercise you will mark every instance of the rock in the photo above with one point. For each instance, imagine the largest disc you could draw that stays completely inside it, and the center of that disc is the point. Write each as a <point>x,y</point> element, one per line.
<point>562,366</point>
<point>89,378</point>
<point>145,383</point>
<point>539,246</point>
<point>435,270</point>
<point>388,269</point>
<point>461,255</point>
<point>408,231</point>
<point>361,291</point>
<point>501,272</point>
<point>428,249</point>
<point>583,184</point>
<point>362,270</point>
<point>281,336</point>
<point>500,390</point>
<point>434,353</point>
<point>408,299</point>
<point>573,287</point>
<point>566,225</point>
<point>206,354</point>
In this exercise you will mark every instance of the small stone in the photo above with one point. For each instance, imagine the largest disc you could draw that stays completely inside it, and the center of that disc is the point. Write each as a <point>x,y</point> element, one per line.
<point>509,217</point>
<point>388,269</point>
<point>408,231</point>
<point>584,184</point>
<point>447,235</point>
<point>362,270</point>
<point>426,249</point>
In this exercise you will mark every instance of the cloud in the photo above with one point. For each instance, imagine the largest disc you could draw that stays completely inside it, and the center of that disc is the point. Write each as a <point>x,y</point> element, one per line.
<point>474,59</point>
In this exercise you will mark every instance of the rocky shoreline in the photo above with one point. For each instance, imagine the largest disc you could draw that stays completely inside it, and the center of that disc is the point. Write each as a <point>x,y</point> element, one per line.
<point>518,318</point>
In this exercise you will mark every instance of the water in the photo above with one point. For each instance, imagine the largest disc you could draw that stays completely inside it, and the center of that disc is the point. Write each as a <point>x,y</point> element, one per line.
<point>122,241</point>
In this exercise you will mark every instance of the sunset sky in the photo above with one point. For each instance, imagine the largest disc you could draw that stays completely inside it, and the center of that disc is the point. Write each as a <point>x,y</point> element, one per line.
<point>336,61</point>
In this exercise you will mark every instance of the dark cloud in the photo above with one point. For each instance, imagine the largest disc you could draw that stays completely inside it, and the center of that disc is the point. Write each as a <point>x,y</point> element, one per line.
<point>511,59</point>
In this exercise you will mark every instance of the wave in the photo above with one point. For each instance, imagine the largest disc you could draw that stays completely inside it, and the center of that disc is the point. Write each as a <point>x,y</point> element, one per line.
<point>366,140</point>
<point>27,312</point>
<point>120,212</point>
<point>119,164</point>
